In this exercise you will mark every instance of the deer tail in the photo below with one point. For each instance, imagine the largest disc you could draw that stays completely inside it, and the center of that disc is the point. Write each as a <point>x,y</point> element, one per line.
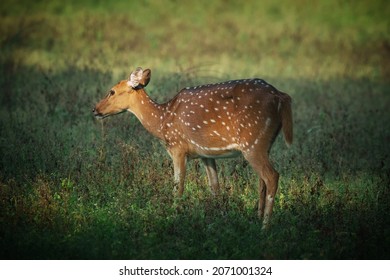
<point>287,121</point>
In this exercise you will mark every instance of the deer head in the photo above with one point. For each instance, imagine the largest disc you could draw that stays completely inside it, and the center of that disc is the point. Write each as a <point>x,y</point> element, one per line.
<point>123,96</point>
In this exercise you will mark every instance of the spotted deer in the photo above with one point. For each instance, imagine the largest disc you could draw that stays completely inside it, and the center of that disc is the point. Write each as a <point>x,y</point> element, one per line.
<point>209,122</point>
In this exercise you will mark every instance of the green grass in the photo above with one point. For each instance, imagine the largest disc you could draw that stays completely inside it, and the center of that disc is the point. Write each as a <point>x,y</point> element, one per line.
<point>72,187</point>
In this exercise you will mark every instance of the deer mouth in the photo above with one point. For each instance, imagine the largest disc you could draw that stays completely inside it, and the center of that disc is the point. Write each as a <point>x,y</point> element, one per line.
<point>98,115</point>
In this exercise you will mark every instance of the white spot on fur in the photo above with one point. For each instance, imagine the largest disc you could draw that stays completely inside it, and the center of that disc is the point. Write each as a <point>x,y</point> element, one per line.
<point>268,122</point>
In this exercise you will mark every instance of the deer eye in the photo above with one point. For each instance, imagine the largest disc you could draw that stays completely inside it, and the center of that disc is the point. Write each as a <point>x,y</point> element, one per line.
<point>112,92</point>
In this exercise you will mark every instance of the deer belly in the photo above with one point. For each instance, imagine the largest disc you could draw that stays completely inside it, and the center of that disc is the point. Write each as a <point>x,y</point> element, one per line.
<point>225,154</point>
<point>215,152</point>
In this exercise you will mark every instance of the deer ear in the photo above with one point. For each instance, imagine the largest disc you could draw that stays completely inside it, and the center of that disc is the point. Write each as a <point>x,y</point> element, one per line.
<point>146,77</point>
<point>139,78</point>
<point>135,77</point>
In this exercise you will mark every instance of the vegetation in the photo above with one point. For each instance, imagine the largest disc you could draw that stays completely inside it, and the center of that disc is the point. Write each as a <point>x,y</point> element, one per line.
<point>72,187</point>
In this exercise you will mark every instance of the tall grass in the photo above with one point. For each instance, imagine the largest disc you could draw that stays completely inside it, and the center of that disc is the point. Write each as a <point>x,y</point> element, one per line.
<point>72,187</point>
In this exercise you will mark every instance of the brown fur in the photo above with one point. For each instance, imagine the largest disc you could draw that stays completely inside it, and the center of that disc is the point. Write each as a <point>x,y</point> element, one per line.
<point>209,122</point>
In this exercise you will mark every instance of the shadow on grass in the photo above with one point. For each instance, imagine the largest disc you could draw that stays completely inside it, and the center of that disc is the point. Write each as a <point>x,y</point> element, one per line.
<point>206,234</point>
<point>68,191</point>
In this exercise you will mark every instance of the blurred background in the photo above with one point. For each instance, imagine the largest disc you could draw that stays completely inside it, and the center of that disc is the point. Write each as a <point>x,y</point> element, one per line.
<point>299,39</point>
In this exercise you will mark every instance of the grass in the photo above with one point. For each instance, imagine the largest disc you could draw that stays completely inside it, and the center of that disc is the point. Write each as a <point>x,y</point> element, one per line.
<point>72,187</point>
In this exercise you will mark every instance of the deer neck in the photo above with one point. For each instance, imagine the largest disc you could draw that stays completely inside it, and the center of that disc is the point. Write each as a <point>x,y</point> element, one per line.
<point>149,113</point>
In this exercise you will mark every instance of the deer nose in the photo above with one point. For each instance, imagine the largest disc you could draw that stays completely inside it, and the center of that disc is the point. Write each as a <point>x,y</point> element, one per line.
<point>94,111</point>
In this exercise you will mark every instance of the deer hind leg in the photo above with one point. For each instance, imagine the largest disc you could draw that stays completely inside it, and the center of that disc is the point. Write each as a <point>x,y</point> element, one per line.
<point>271,182</point>
<point>268,184</point>
<point>261,206</point>
<point>179,168</point>
<point>212,175</point>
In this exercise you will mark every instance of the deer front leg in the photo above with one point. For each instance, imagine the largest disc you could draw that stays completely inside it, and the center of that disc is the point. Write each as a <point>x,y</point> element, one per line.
<point>179,168</point>
<point>212,175</point>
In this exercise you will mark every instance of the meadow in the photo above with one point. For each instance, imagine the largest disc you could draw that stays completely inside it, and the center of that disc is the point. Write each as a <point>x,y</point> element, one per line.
<point>73,187</point>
